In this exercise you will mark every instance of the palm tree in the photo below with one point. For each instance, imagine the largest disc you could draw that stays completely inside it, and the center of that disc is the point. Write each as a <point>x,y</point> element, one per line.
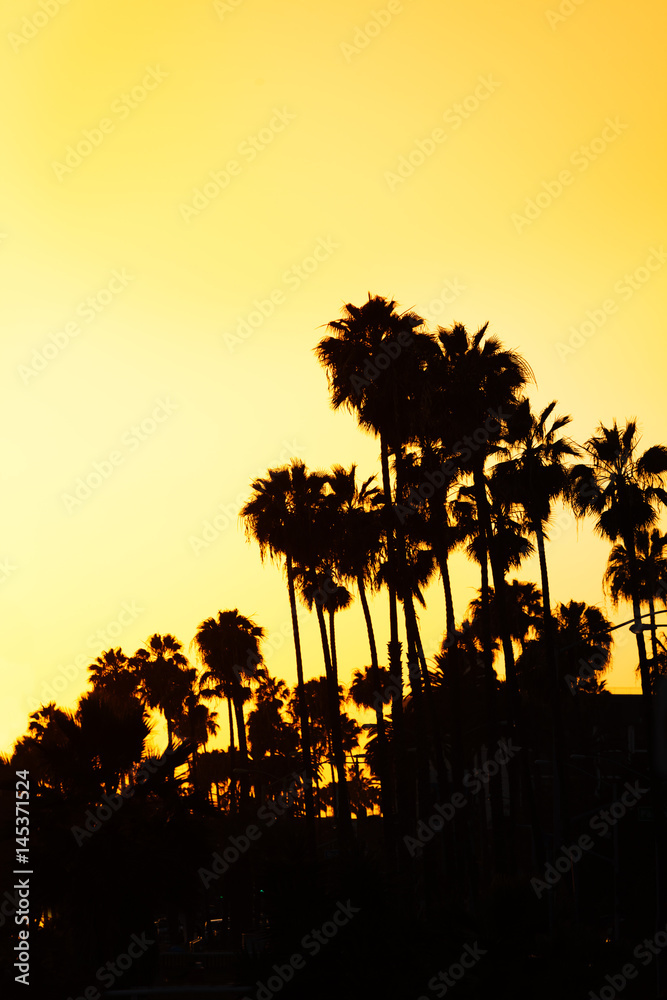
<point>165,679</point>
<point>478,380</point>
<point>355,556</point>
<point>523,609</point>
<point>534,476</point>
<point>365,376</point>
<point>88,752</point>
<point>652,578</point>
<point>113,673</point>
<point>429,495</point>
<point>316,587</point>
<point>269,732</point>
<point>195,724</point>
<point>229,647</point>
<point>278,518</point>
<point>621,489</point>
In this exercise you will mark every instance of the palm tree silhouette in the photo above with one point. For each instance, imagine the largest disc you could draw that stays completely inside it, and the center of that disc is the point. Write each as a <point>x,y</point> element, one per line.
<point>357,532</point>
<point>165,679</point>
<point>651,564</point>
<point>229,647</point>
<point>114,673</point>
<point>278,517</point>
<point>621,489</point>
<point>318,590</point>
<point>383,397</point>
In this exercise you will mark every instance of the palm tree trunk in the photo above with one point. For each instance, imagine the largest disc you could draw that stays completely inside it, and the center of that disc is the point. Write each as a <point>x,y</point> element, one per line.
<point>383,754</point>
<point>394,644</point>
<point>303,712</point>
<point>244,783</point>
<point>232,758</point>
<point>516,718</point>
<point>394,649</point>
<point>492,725</point>
<point>654,641</point>
<point>561,811</point>
<point>344,820</point>
<point>432,725</point>
<point>629,542</point>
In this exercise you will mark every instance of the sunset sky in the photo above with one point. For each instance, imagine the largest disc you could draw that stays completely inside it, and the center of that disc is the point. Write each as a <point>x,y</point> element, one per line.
<point>474,161</point>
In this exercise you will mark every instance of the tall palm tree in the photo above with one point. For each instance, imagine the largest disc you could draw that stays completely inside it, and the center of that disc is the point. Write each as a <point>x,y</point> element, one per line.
<point>651,564</point>
<point>429,495</point>
<point>229,647</point>
<point>278,517</point>
<point>357,532</point>
<point>534,475</point>
<point>479,382</point>
<point>622,490</point>
<point>373,358</point>
<point>317,588</point>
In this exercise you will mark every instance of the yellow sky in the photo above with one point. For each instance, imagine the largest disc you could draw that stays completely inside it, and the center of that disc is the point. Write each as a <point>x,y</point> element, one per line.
<point>476,161</point>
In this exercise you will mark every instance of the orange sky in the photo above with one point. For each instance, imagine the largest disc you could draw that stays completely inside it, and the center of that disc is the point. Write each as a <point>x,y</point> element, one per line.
<point>476,161</point>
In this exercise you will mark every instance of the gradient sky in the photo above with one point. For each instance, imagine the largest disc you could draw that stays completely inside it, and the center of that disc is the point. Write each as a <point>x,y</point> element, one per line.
<point>411,149</point>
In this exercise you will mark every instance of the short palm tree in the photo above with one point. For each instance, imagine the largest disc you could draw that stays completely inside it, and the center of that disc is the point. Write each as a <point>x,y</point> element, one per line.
<point>229,648</point>
<point>651,563</point>
<point>622,489</point>
<point>165,679</point>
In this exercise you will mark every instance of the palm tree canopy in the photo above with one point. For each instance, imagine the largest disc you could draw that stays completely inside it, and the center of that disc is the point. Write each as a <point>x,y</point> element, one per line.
<point>376,364</point>
<point>229,646</point>
<point>651,568</point>
<point>280,516</point>
<point>619,487</point>
<point>478,380</point>
<point>534,474</point>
